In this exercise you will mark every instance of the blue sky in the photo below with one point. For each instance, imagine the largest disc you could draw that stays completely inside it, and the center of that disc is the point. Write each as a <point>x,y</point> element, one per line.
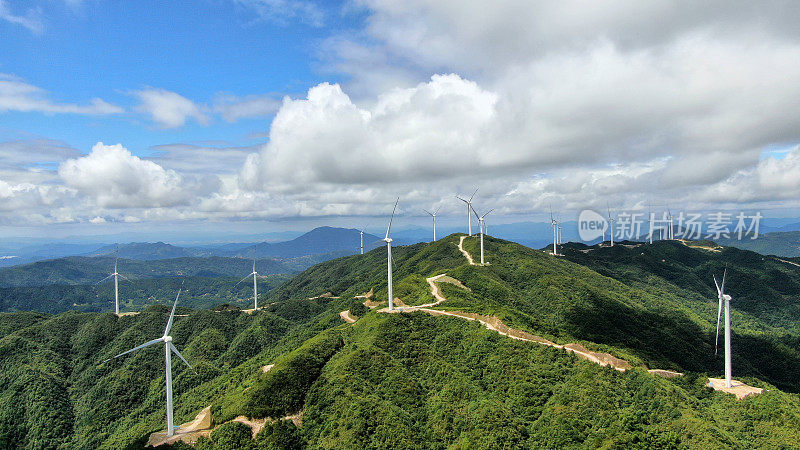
<point>145,116</point>
<point>197,49</point>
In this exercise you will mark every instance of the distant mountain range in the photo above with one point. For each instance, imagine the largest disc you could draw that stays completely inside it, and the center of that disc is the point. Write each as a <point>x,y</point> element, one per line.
<point>779,243</point>
<point>780,237</point>
<point>330,241</point>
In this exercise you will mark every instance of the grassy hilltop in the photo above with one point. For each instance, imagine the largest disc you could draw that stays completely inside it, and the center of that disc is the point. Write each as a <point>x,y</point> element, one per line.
<point>420,381</point>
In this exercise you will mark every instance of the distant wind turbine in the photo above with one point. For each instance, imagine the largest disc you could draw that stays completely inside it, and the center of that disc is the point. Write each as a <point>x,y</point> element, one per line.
<point>255,284</point>
<point>611,223</point>
<point>469,210</point>
<point>116,276</point>
<point>726,300</point>
<point>169,347</point>
<point>388,241</point>
<point>481,224</point>
<point>554,224</point>
<point>361,233</point>
<point>670,230</point>
<point>433,214</point>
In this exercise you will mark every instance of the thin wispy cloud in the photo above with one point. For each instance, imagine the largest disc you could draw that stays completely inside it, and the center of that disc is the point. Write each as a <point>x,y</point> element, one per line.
<point>32,19</point>
<point>169,109</point>
<point>285,11</point>
<point>17,95</point>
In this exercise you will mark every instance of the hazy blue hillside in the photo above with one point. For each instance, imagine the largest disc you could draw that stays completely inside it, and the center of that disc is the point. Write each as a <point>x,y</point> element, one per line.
<point>88,270</point>
<point>338,241</point>
<point>147,251</point>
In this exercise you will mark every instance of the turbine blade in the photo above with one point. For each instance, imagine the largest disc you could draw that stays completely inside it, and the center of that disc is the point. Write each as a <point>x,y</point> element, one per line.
<point>724,276</point>
<point>146,344</point>
<point>104,279</point>
<point>429,213</point>
<point>487,212</point>
<point>123,277</point>
<point>437,210</point>
<point>465,201</point>
<point>175,350</point>
<point>389,228</point>
<point>237,283</point>
<point>473,194</point>
<point>172,314</point>
<point>717,284</point>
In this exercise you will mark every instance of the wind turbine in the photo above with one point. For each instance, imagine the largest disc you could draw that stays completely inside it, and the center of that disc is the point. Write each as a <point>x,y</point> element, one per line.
<point>388,241</point>
<point>726,299</point>
<point>361,233</point>
<point>481,224</point>
<point>670,230</point>
<point>469,210</point>
<point>559,236</point>
<point>169,347</point>
<point>611,222</point>
<point>554,224</point>
<point>433,214</point>
<point>255,284</point>
<point>116,276</point>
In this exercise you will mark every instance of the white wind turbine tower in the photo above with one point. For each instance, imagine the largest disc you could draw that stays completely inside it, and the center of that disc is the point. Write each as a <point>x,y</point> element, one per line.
<point>169,347</point>
<point>481,224</point>
<point>433,214</point>
<point>554,224</point>
<point>611,224</point>
<point>671,229</point>
<point>361,234</point>
<point>559,236</point>
<point>255,284</point>
<point>388,241</point>
<point>116,276</point>
<point>469,210</point>
<point>726,299</point>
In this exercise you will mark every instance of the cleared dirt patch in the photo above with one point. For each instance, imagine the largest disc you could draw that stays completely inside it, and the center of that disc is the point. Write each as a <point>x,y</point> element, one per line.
<point>189,432</point>
<point>325,295</point>
<point>347,317</point>
<point>665,373</point>
<point>739,389</point>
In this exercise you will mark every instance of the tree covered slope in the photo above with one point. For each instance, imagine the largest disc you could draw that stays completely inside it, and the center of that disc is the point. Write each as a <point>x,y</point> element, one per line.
<point>419,381</point>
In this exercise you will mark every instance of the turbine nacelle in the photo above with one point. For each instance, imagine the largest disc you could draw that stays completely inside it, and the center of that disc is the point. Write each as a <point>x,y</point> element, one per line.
<point>167,339</point>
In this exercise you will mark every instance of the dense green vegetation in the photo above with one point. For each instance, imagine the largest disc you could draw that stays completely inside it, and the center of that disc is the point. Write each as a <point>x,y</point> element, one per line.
<point>199,292</point>
<point>418,381</point>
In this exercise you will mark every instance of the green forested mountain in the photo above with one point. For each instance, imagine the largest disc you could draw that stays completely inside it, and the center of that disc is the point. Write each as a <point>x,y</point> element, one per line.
<point>419,381</point>
<point>88,270</point>
<point>779,243</point>
<point>198,292</point>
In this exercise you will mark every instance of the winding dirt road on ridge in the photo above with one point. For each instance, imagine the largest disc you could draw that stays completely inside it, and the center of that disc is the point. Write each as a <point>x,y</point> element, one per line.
<point>495,324</point>
<point>464,252</point>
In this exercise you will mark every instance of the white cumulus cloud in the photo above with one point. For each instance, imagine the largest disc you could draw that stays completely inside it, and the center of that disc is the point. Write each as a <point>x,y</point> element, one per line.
<point>114,178</point>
